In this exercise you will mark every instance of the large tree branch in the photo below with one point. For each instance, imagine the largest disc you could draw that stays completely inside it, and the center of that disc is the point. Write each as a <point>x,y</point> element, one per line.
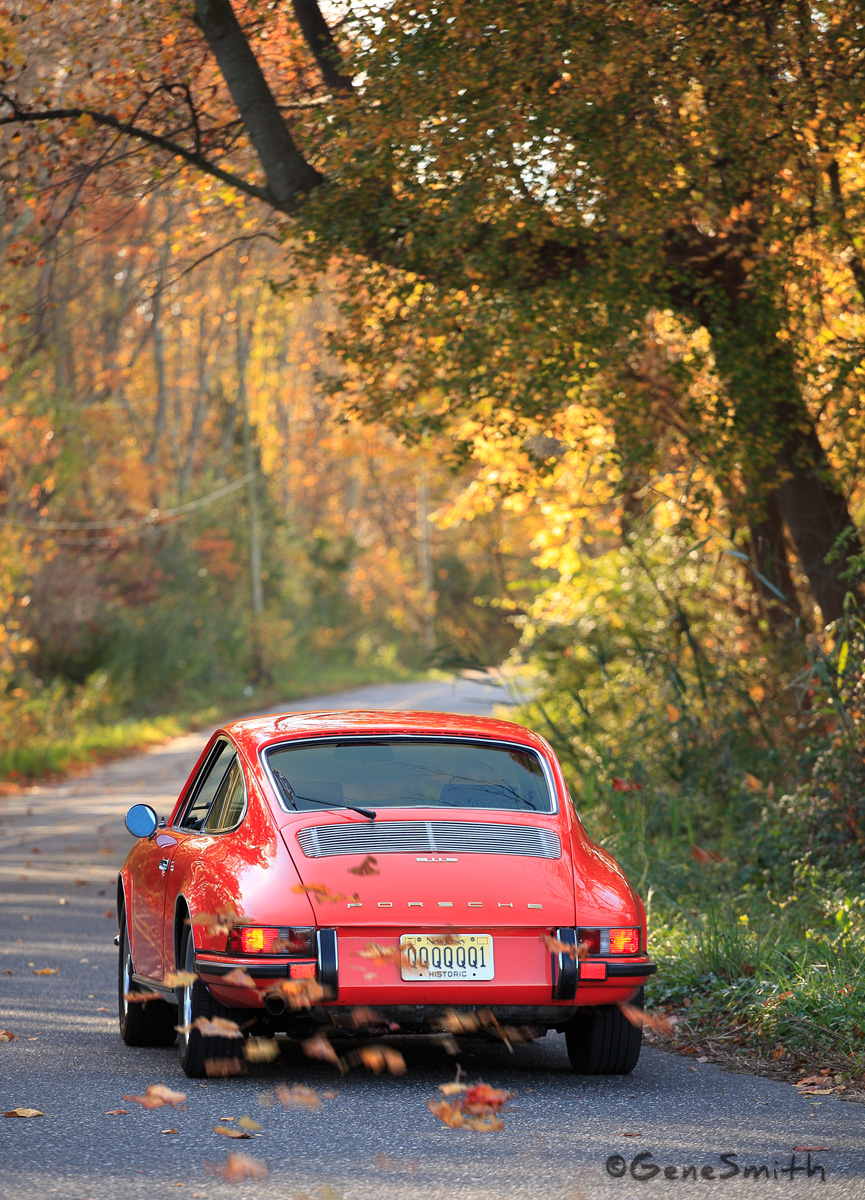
<point>321,44</point>
<point>22,116</point>
<point>289,176</point>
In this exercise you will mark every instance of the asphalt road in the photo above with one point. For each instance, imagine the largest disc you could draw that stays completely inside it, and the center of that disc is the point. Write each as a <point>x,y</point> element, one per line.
<point>60,848</point>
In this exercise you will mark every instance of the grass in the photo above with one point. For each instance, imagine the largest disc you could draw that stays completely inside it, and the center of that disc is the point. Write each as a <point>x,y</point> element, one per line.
<point>80,740</point>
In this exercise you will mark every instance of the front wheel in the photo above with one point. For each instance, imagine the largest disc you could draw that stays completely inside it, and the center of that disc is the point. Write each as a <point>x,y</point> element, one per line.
<point>142,1022</point>
<point>197,1052</point>
<point>602,1041</point>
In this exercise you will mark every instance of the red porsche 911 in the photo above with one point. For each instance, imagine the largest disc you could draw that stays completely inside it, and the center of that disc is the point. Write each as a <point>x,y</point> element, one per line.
<point>368,871</point>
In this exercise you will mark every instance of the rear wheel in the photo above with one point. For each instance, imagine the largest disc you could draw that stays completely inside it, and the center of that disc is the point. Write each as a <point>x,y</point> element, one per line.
<point>193,1002</point>
<point>602,1041</point>
<point>142,1023</point>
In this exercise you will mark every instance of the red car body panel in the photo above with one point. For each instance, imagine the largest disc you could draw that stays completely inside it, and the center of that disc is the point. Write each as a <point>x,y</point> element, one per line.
<point>260,871</point>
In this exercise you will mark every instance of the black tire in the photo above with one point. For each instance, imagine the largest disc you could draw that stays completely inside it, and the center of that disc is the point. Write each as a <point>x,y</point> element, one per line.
<point>142,1023</point>
<point>602,1041</point>
<point>194,1001</point>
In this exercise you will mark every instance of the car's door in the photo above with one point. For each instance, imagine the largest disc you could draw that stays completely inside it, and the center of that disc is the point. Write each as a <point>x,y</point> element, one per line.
<point>215,809</point>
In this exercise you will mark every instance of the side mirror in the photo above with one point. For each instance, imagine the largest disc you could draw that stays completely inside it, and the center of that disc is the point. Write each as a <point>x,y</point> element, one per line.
<point>141,821</point>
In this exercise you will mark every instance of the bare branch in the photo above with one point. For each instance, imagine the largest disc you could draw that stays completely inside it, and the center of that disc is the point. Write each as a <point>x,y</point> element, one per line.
<point>21,116</point>
<point>289,176</point>
<point>321,43</point>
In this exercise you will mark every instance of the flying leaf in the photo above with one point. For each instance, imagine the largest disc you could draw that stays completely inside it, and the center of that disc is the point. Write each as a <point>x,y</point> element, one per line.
<point>482,1096</point>
<point>673,713</point>
<point>216,1027</point>
<point>157,1095</point>
<point>382,1058</point>
<point>239,978</point>
<point>257,1049</point>
<point>248,1124</point>
<point>640,1018</point>
<point>363,1015</point>
<point>706,856</point>
<point>175,979</point>
<point>753,782</point>
<point>369,866</point>
<point>319,1047</point>
<point>221,921</point>
<point>224,1068</point>
<point>240,1167</point>
<point>300,993</point>
<point>24,1112</point>
<point>376,953</point>
<point>140,997</point>
<point>555,946</point>
<point>322,893</point>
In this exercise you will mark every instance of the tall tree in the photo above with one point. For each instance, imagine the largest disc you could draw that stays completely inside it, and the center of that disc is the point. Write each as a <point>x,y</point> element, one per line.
<point>577,164</point>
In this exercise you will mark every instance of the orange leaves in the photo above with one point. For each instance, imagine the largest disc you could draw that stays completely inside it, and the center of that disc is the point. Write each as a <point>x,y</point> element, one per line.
<point>706,856</point>
<point>379,1059</point>
<point>752,782</point>
<point>298,1096</point>
<point>645,1020</point>
<point>221,921</point>
<point>555,946</point>
<point>318,1046</point>
<point>24,1112</point>
<point>239,1168</point>
<point>46,971</point>
<point>376,953</point>
<point>230,1131</point>
<point>6,1035</point>
<point>179,978</point>
<point>322,893</point>
<point>158,1095</point>
<point>224,1068</point>
<point>140,997</point>
<point>369,866</point>
<point>477,1107</point>
<point>625,785</point>
<point>217,1027</point>
<point>239,978</point>
<point>300,993</point>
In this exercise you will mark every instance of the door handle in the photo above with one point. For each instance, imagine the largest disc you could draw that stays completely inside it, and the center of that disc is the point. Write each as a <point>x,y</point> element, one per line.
<point>163,865</point>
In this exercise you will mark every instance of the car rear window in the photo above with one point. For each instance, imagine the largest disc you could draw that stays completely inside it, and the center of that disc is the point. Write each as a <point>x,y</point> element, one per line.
<point>410,773</point>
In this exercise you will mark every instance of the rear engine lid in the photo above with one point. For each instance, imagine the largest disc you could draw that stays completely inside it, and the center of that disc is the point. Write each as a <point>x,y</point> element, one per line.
<point>428,870</point>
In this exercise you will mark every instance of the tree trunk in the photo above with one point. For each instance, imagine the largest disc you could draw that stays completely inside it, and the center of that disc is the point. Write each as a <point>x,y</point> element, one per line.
<point>778,446</point>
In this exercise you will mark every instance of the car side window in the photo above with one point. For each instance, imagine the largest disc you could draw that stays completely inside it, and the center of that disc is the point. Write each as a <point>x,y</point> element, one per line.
<point>227,807</point>
<point>207,785</point>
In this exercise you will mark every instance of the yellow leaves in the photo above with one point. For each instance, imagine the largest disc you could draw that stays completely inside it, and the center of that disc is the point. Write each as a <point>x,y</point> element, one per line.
<point>45,971</point>
<point>239,978</point>
<point>157,1095</point>
<point>24,1112</point>
<point>300,993</point>
<point>224,1068</point>
<point>259,1049</point>
<point>322,893</point>
<point>175,979</point>
<point>230,1131</point>
<point>382,1058</point>
<point>477,1108</point>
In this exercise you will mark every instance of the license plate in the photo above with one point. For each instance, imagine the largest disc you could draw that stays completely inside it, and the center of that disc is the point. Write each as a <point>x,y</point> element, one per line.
<point>446,956</point>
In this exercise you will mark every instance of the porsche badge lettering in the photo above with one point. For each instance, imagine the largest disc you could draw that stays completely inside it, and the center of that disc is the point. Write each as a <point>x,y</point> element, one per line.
<point>435,858</point>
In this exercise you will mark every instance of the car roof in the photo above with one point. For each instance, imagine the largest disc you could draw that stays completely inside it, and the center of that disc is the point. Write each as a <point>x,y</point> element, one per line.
<point>253,733</point>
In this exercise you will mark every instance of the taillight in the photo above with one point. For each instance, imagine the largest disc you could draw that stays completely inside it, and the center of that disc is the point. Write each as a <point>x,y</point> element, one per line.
<point>624,941</point>
<point>257,939</point>
<point>610,941</point>
<point>591,938</point>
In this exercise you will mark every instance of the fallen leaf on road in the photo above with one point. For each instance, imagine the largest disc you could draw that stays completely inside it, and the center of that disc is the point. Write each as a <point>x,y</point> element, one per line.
<point>62,901</point>
<point>298,1096</point>
<point>24,1112</point>
<point>239,1167</point>
<point>46,971</point>
<point>227,1131</point>
<point>157,1095</point>
<point>810,1149</point>
<point>6,1035</point>
<point>117,1112</point>
<point>168,1131</point>
<point>6,972</point>
<point>257,1049</point>
<point>477,1109</point>
<point>626,1134</point>
<point>329,1095</point>
<point>180,978</point>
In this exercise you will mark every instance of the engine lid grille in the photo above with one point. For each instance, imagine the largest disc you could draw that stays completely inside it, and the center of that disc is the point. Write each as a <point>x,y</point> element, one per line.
<point>425,837</point>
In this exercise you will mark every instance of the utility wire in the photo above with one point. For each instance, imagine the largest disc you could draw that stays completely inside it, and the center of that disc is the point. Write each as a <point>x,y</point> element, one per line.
<point>155,517</point>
